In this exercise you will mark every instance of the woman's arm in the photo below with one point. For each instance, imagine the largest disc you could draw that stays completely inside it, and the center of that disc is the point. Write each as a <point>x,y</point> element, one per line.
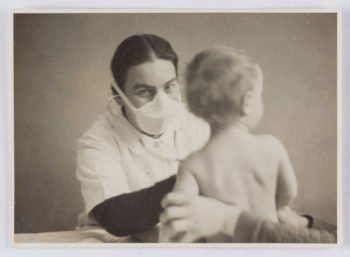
<point>134,212</point>
<point>253,229</point>
<point>108,198</point>
<point>187,219</point>
<point>202,217</point>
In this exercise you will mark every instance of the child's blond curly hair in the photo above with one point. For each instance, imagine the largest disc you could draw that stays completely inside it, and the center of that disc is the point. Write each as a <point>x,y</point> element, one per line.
<point>216,82</point>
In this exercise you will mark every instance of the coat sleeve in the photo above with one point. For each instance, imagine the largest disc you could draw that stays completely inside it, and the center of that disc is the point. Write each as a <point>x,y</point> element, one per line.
<point>134,212</point>
<point>254,229</point>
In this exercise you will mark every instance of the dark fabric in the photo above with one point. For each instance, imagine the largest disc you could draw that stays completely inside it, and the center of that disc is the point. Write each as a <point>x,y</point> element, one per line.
<point>310,220</point>
<point>320,225</point>
<point>134,212</point>
<point>252,229</point>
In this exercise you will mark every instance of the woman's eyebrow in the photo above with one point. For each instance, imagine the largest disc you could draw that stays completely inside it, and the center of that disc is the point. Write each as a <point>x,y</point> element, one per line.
<point>143,86</point>
<point>138,85</point>
<point>169,82</point>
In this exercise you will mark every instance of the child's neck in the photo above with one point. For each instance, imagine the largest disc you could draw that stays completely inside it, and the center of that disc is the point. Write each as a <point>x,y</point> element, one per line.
<point>237,126</point>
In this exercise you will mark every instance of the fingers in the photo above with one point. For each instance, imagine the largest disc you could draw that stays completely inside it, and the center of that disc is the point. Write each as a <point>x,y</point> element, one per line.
<point>173,212</point>
<point>175,217</point>
<point>181,237</point>
<point>179,231</point>
<point>186,238</point>
<point>176,226</point>
<point>174,198</point>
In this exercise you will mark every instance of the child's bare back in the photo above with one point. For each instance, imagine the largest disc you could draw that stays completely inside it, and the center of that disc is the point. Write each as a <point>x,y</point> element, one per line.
<point>239,168</point>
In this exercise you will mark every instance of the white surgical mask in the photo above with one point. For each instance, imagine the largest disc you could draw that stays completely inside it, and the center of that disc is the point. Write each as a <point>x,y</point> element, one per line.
<point>156,116</point>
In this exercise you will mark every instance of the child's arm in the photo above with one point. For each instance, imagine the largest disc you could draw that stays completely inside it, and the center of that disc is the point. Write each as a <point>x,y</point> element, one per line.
<point>188,186</point>
<point>286,181</point>
<point>186,182</point>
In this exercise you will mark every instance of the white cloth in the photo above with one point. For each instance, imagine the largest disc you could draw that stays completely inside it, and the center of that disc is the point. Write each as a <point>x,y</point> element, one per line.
<point>114,158</point>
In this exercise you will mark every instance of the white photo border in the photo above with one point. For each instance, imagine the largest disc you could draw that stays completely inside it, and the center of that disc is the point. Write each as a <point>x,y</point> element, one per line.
<point>7,111</point>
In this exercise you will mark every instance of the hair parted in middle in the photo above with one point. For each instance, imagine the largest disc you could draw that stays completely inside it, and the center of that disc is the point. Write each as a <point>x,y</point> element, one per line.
<point>138,49</point>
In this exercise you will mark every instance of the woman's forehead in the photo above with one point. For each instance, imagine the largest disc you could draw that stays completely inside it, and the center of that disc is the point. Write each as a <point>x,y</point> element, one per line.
<point>153,73</point>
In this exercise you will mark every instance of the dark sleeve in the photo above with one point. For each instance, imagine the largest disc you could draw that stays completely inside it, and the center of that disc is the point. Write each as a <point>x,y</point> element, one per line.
<point>253,229</point>
<point>134,212</point>
<point>320,225</point>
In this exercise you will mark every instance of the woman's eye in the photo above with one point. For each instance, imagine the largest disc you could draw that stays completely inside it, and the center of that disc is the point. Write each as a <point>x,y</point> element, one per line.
<point>144,93</point>
<point>170,87</point>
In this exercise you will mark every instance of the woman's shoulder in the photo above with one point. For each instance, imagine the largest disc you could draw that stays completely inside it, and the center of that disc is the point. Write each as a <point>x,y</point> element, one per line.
<point>98,126</point>
<point>100,131</point>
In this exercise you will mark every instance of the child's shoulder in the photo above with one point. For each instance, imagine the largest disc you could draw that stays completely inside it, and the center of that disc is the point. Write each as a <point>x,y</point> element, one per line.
<point>194,161</point>
<point>194,158</point>
<point>270,141</point>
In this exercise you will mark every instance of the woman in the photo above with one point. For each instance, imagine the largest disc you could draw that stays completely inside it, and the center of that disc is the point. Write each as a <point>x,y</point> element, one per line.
<point>128,159</point>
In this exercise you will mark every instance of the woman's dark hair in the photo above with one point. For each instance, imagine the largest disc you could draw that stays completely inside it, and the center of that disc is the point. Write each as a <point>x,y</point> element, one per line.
<point>136,50</point>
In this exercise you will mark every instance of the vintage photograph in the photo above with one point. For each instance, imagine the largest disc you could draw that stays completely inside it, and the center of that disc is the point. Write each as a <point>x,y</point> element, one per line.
<point>176,127</point>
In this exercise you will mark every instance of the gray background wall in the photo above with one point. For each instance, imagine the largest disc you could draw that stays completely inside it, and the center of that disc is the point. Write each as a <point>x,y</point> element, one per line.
<point>62,84</point>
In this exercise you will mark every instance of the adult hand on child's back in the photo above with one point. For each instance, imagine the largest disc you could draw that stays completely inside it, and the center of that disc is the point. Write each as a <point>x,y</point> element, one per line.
<point>187,219</point>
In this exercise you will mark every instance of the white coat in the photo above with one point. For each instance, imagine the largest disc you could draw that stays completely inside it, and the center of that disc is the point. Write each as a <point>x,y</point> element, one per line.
<point>114,158</point>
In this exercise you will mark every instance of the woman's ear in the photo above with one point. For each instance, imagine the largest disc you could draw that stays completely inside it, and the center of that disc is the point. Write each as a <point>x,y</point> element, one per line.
<point>247,103</point>
<point>117,98</point>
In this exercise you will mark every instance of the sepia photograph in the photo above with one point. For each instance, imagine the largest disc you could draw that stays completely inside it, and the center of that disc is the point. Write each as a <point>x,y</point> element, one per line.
<point>176,128</point>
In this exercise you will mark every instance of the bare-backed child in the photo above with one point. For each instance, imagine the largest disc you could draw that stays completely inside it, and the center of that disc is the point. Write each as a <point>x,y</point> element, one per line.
<point>254,172</point>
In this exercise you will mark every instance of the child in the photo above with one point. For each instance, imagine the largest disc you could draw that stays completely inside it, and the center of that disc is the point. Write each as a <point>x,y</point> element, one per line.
<point>224,87</point>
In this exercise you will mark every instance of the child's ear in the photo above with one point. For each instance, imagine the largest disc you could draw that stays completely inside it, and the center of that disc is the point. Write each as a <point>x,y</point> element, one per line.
<point>247,103</point>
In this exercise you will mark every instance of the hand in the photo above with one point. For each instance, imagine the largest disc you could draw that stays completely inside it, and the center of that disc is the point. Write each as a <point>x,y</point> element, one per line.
<point>287,216</point>
<point>187,219</point>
